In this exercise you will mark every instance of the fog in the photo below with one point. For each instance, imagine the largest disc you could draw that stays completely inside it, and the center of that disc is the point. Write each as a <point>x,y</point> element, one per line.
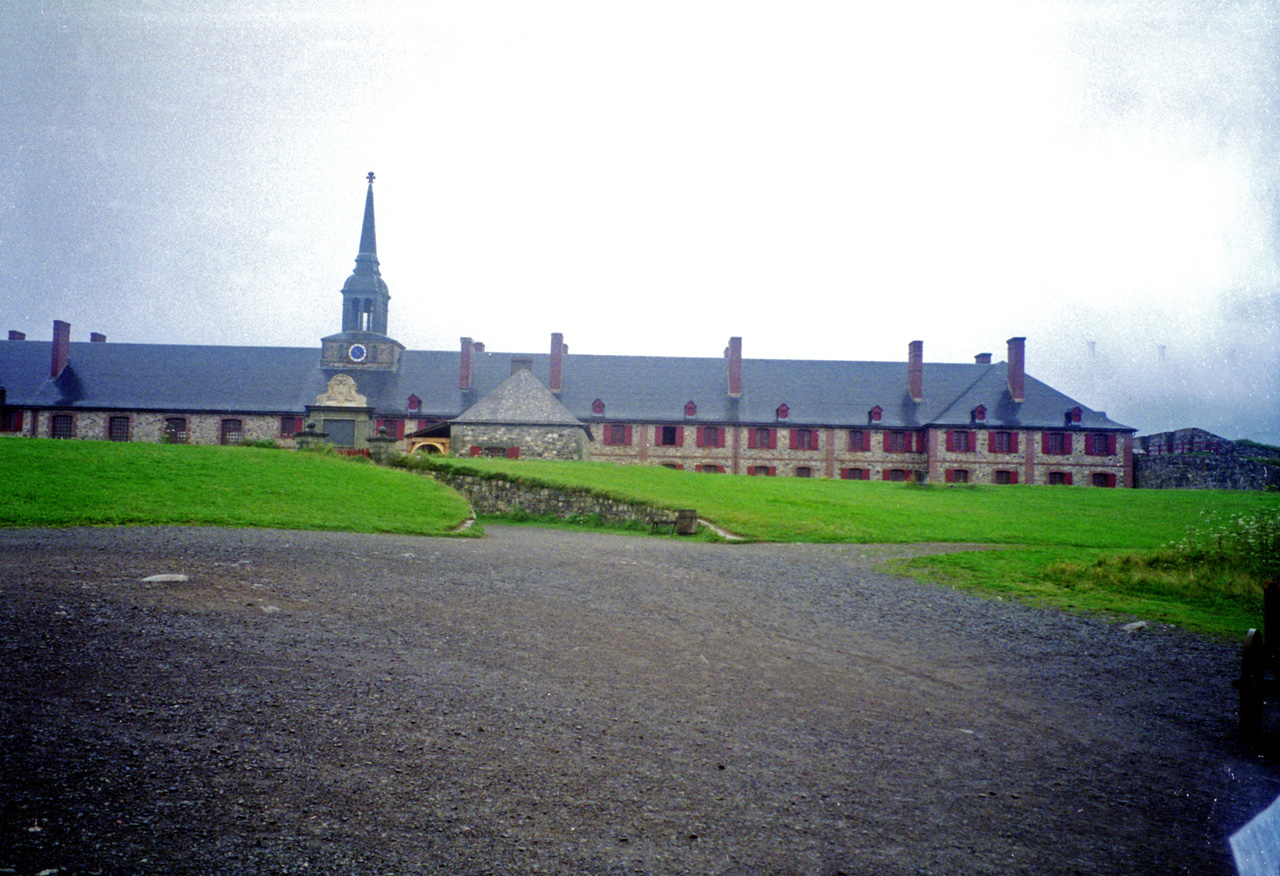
<point>826,180</point>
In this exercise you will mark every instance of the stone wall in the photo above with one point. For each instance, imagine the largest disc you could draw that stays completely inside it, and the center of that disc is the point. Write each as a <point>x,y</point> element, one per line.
<point>493,495</point>
<point>149,427</point>
<point>1204,472</point>
<point>534,442</point>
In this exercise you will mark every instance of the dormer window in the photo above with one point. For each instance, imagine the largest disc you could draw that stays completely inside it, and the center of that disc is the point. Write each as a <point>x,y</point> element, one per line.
<point>415,403</point>
<point>782,411</point>
<point>875,414</point>
<point>979,413</point>
<point>690,409</point>
<point>597,408</point>
<point>1072,416</point>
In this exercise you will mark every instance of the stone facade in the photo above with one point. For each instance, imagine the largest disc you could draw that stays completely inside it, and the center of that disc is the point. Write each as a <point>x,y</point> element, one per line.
<point>527,441</point>
<point>860,454</point>
<point>149,427</point>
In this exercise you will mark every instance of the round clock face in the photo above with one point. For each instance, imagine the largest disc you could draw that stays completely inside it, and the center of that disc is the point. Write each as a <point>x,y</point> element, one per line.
<point>357,353</point>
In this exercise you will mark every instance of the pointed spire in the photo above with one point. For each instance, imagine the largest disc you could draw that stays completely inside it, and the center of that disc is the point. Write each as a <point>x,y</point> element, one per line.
<point>364,295</point>
<point>368,239</point>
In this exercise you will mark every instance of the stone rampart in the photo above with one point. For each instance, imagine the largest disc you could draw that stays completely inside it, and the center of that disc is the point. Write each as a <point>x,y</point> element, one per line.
<point>496,495</point>
<point>1203,472</point>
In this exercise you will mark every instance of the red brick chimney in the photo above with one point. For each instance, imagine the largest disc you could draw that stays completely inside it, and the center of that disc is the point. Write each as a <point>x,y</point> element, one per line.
<point>15,335</point>
<point>915,370</point>
<point>97,338</point>
<point>982,359</point>
<point>1017,369</point>
<point>61,347</point>
<point>464,370</point>
<point>558,349</point>
<point>733,355</point>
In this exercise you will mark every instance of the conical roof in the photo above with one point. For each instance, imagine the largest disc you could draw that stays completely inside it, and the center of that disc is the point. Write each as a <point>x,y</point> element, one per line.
<point>367,277</point>
<point>522,399</point>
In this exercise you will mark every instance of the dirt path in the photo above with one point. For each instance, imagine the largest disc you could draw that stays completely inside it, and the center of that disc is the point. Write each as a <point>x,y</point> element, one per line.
<point>556,702</point>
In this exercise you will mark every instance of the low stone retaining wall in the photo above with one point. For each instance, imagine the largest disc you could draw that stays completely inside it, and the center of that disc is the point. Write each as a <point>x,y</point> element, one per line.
<point>491,495</point>
<point>1207,472</point>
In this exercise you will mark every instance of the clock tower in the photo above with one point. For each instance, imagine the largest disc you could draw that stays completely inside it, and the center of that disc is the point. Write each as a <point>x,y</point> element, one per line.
<point>363,345</point>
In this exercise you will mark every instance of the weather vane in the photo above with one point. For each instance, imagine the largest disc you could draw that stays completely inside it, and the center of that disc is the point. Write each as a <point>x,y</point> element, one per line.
<point>371,177</point>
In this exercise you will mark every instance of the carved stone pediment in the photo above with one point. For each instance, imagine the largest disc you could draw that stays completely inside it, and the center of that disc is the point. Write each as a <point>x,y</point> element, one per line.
<point>341,393</point>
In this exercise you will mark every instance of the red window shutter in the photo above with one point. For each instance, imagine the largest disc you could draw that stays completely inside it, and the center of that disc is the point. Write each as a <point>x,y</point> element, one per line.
<point>773,471</point>
<point>626,437</point>
<point>1111,448</point>
<point>701,437</point>
<point>795,433</point>
<point>1013,476</point>
<point>751,439</point>
<point>1013,442</point>
<point>720,436</point>
<point>973,442</point>
<point>884,474</point>
<point>1067,479</point>
<point>919,442</point>
<point>657,436</point>
<point>951,445</point>
<point>1066,444</point>
<point>888,441</point>
<point>679,436</point>
<point>399,429</point>
<point>513,453</point>
<point>1044,442</point>
<point>474,451</point>
<point>950,476</point>
<point>846,474</point>
<point>813,440</point>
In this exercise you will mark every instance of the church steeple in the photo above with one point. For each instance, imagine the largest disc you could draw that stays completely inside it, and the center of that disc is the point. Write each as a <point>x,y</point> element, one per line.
<point>363,345</point>
<point>365,295</point>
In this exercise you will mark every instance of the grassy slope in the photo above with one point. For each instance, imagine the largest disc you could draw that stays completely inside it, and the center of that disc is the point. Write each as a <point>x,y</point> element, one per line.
<point>61,483</point>
<point>792,509</point>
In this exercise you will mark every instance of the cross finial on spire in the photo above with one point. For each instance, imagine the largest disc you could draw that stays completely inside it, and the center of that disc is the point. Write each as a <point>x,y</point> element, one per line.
<point>370,177</point>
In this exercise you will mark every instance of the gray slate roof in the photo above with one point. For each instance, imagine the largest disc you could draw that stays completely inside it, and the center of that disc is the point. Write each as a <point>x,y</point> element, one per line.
<point>520,400</point>
<point>284,380</point>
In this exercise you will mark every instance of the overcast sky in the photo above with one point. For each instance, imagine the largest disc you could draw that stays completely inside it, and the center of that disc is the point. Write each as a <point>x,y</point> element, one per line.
<point>829,180</point>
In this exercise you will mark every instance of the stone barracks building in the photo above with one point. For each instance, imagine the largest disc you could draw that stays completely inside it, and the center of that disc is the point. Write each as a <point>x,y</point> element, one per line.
<point>980,422</point>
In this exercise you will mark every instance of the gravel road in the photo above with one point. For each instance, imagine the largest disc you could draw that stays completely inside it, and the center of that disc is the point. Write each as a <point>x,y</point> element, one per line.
<point>543,701</point>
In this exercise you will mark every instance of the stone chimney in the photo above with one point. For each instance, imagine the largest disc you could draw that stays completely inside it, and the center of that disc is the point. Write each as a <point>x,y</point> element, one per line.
<point>1017,369</point>
<point>733,364</point>
<point>15,335</point>
<point>464,369</point>
<point>982,359</point>
<point>97,338</point>
<point>558,349</point>
<point>61,348</point>
<point>915,370</point>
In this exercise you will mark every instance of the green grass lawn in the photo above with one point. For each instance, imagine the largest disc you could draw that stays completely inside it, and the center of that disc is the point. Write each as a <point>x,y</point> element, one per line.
<point>823,510</point>
<point>78,483</point>
<point>1088,549</point>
